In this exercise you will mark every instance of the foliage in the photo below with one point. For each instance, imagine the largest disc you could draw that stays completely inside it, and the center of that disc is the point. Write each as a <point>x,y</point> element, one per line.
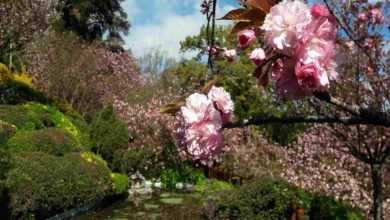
<point>92,19</point>
<point>264,198</point>
<point>33,116</point>
<point>19,27</point>
<point>170,177</point>
<point>5,165</point>
<point>120,183</point>
<point>43,185</point>
<point>7,130</point>
<point>87,75</point>
<point>212,189</point>
<point>52,141</point>
<point>323,207</point>
<point>151,146</point>
<point>58,119</point>
<point>108,134</point>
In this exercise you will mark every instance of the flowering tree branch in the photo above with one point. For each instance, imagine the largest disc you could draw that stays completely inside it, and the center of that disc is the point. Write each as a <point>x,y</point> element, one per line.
<point>355,120</point>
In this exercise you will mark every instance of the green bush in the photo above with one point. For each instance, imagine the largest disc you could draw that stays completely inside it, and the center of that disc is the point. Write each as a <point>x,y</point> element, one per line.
<point>263,198</point>
<point>34,116</point>
<point>323,208</point>
<point>120,183</point>
<point>17,115</point>
<point>7,130</point>
<point>108,134</point>
<point>170,177</point>
<point>53,141</point>
<point>43,185</point>
<point>270,198</point>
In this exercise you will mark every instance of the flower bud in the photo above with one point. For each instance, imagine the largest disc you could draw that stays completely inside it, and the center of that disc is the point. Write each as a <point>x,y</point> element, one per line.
<point>245,38</point>
<point>257,56</point>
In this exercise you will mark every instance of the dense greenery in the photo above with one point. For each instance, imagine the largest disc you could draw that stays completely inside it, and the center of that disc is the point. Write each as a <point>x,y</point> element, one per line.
<point>120,183</point>
<point>269,198</point>
<point>53,141</point>
<point>91,19</point>
<point>108,134</point>
<point>42,185</point>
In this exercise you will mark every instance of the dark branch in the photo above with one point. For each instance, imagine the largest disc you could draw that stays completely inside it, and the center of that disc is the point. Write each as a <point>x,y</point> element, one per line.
<point>309,119</point>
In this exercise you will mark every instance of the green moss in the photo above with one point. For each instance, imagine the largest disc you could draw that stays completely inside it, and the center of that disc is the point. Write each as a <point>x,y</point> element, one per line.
<point>53,141</point>
<point>120,183</point>
<point>42,185</point>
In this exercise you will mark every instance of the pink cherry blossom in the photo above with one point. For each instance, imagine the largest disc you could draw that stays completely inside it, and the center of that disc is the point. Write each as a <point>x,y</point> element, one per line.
<point>362,16</point>
<point>319,10</point>
<point>286,24</point>
<point>222,102</point>
<point>308,76</point>
<point>257,56</point>
<point>200,109</point>
<point>287,85</point>
<point>245,38</point>
<point>202,140</point>
<point>229,55</point>
<point>320,31</point>
<point>376,16</point>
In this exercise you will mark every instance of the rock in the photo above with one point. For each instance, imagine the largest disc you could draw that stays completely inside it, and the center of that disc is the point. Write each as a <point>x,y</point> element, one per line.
<point>179,186</point>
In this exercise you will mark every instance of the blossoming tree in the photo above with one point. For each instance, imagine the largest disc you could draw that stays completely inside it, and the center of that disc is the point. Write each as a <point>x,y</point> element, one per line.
<point>309,54</point>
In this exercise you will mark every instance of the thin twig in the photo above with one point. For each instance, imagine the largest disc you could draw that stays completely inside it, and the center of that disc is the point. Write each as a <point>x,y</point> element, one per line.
<point>308,119</point>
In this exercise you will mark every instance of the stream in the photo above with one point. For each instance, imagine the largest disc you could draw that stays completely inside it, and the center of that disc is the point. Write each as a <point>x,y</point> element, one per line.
<point>175,206</point>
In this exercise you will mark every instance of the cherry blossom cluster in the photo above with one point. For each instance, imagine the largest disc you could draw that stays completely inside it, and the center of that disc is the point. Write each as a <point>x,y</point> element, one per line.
<point>304,57</point>
<point>199,128</point>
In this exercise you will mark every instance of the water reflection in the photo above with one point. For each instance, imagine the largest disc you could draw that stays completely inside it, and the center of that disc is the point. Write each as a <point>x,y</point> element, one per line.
<point>162,206</point>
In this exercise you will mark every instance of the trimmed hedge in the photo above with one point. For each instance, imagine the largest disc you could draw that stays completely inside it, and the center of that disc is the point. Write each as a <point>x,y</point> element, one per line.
<point>42,185</point>
<point>7,130</point>
<point>53,141</point>
<point>270,198</point>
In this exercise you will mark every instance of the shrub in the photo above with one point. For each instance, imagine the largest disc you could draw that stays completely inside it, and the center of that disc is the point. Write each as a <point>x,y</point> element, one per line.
<point>323,207</point>
<point>15,89</point>
<point>53,141</point>
<point>7,130</point>
<point>120,183</point>
<point>270,198</point>
<point>34,116</point>
<point>108,134</point>
<point>170,177</point>
<point>17,115</point>
<point>263,198</point>
<point>212,189</point>
<point>42,185</point>
<point>53,116</point>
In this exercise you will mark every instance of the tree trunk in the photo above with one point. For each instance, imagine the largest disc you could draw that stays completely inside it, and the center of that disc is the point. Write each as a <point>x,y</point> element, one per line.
<point>376,170</point>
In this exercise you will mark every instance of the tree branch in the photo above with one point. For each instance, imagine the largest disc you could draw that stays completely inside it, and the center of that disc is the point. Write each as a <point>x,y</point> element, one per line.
<point>309,119</point>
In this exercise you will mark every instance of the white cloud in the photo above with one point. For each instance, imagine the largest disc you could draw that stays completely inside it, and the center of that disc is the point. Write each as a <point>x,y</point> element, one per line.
<point>131,9</point>
<point>170,29</point>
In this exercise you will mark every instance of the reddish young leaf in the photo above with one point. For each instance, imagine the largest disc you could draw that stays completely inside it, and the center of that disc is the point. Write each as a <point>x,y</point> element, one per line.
<point>171,108</point>
<point>207,87</point>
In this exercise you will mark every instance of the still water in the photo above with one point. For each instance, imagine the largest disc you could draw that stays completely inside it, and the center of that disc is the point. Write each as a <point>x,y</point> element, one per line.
<point>165,206</point>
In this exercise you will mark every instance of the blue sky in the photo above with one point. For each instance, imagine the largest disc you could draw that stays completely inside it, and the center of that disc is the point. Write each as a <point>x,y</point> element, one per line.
<point>164,23</point>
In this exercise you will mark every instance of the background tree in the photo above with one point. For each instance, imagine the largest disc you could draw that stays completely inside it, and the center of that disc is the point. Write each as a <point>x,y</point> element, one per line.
<point>93,19</point>
<point>361,97</point>
<point>20,22</point>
